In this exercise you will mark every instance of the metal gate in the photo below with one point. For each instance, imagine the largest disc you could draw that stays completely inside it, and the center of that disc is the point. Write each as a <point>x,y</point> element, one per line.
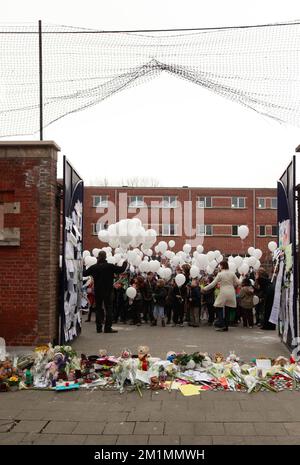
<point>288,323</point>
<point>72,244</point>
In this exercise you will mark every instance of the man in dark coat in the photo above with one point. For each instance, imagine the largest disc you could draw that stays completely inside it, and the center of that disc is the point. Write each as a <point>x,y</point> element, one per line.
<point>103,276</point>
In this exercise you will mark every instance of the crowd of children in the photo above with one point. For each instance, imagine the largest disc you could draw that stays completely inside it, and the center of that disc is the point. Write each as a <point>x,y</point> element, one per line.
<point>164,303</point>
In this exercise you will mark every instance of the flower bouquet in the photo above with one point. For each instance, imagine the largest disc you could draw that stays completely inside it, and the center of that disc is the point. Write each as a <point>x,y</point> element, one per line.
<point>13,382</point>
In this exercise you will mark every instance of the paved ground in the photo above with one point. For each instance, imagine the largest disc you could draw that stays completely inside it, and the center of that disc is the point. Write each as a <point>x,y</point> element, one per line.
<point>105,417</point>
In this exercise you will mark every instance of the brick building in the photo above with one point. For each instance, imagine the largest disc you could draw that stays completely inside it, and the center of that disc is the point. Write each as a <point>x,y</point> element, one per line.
<point>209,216</point>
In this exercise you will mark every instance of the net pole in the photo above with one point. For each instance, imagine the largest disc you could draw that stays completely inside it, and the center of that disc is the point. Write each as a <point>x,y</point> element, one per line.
<point>41,79</point>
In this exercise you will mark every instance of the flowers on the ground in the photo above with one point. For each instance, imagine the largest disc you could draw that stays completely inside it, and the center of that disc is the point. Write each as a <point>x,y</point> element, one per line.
<point>51,366</point>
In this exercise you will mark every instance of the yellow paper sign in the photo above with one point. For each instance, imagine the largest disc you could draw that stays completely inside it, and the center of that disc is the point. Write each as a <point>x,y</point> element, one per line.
<point>189,390</point>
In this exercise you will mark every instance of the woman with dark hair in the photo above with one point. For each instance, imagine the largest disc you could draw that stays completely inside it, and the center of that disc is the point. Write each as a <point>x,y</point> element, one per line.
<point>226,300</point>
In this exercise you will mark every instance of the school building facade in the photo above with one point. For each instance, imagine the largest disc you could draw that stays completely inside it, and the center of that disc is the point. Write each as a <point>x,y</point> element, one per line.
<point>195,215</point>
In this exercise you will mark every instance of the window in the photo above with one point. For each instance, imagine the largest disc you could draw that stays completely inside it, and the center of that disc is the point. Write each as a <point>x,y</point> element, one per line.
<point>234,230</point>
<point>204,202</point>
<point>238,202</point>
<point>169,230</point>
<point>274,203</point>
<point>136,201</point>
<point>100,201</point>
<point>262,230</point>
<point>204,230</point>
<point>261,202</point>
<point>275,230</point>
<point>169,201</point>
<point>96,227</point>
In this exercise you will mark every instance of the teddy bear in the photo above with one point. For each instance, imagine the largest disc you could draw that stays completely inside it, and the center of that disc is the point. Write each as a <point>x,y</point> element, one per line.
<point>143,356</point>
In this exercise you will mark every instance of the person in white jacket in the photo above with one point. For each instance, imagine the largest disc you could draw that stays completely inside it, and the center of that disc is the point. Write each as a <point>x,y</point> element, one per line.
<point>227,296</point>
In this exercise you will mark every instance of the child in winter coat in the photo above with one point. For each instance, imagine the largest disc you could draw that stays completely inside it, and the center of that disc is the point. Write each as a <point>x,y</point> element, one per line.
<point>195,300</point>
<point>246,303</point>
<point>160,295</point>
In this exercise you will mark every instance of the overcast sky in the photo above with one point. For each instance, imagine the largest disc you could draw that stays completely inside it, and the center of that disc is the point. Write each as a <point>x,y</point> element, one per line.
<point>168,128</point>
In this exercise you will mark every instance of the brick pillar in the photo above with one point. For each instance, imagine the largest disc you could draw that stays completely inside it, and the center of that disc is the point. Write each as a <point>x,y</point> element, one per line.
<point>29,242</point>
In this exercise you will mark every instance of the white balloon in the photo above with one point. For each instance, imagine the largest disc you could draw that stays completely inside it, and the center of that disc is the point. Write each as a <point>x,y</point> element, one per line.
<point>187,248</point>
<point>131,256</point>
<point>114,242</point>
<point>202,259</point>
<point>146,258</point>
<point>112,230</point>
<point>95,252</point>
<point>171,244</point>
<point>117,257</point>
<point>272,246</point>
<point>251,250</point>
<point>136,221</point>
<point>209,270</point>
<point>244,268</point>
<point>181,254</point>
<point>103,235</point>
<point>257,253</point>
<point>143,266</point>
<point>90,261</point>
<point>147,266</point>
<point>175,261</point>
<point>131,292</point>
<point>137,260</point>
<point>213,264</point>
<point>132,269</point>
<point>243,231</point>
<point>111,259</point>
<point>180,279</point>
<point>230,258</point>
<point>255,300</point>
<point>257,265</point>
<point>148,252</point>
<point>251,261</point>
<point>86,253</point>
<point>154,266</point>
<point>167,274</point>
<point>169,254</point>
<point>200,248</point>
<point>163,246</point>
<point>194,271</point>
<point>161,272</point>
<point>219,258</point>
<point>210,255</point>
<point>217,253</point>
<point>232,266</point>
<point>238,261</point>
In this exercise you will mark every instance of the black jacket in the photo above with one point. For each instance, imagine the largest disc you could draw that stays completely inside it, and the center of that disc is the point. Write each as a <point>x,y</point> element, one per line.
<point>160,295</point>
<point>103,276</point>
<point>195,295</point>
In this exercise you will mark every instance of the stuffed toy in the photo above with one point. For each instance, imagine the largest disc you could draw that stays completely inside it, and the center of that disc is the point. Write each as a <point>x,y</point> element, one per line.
<point>143,356</point>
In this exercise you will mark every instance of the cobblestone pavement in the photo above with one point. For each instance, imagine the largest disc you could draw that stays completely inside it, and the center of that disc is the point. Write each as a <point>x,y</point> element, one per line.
<point>107,417</point>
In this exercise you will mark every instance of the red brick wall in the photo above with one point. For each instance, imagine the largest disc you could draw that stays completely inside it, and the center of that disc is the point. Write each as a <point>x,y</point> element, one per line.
<point>28,285</point>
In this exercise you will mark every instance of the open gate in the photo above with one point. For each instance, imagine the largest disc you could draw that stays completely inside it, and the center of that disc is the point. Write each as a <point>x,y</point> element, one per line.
<point>72,245</point>
<point>287,285</point>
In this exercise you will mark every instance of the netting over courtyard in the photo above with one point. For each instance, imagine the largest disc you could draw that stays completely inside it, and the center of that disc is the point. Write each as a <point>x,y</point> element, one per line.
<point>256,66</point>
